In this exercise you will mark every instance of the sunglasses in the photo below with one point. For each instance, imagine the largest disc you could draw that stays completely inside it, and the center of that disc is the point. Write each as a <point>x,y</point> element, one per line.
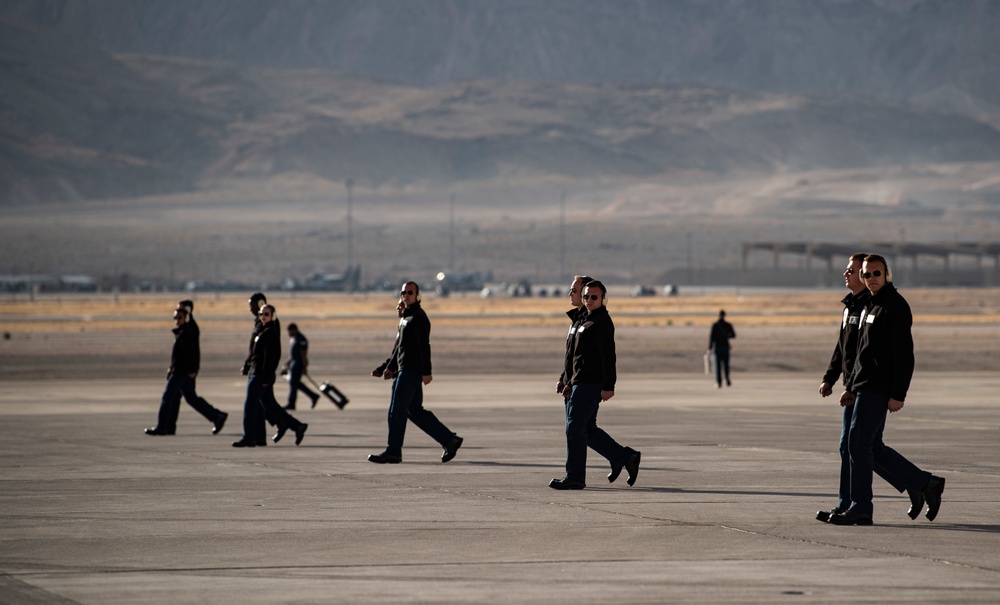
<point>593,297</point>
<point>406,293</point>
<point>267,314</point>
<point>875,273</point>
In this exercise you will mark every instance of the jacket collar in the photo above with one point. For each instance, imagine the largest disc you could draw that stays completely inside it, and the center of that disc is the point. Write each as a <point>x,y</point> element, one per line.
<point>596,312</point>
<point>887,290</point>
<point>412,309</point>
<point>853,300</point>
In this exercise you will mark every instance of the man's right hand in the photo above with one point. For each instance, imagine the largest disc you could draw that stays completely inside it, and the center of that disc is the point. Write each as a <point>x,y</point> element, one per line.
<point>825,390</point>
<point>387,374</point>
<point>560,387</point>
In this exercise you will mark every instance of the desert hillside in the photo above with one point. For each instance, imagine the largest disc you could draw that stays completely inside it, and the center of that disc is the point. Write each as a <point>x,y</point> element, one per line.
<point>124,98</point>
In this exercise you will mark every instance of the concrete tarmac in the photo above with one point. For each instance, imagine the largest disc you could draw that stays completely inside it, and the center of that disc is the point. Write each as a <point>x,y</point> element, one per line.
<point>94,511</point>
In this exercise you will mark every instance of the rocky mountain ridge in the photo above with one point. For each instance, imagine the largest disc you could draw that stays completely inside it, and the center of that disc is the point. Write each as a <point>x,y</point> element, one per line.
<point>122,98</point>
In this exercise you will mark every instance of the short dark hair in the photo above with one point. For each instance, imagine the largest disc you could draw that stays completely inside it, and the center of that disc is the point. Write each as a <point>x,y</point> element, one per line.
<point>596,284</point>
<point>292,326</point>
<point>876,258</point>
<point>858,256</point>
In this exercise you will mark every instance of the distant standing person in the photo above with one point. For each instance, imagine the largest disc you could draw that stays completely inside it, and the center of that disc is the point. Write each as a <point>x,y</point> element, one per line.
<point>883,367</point>
<point>842,362</point>
<point>265,355</point>
<point>409,368</point>
<point>185,361</point>
<point>298,364</point>
<point>718,341</point>
<point>591,375</point>
<point>597,439</point>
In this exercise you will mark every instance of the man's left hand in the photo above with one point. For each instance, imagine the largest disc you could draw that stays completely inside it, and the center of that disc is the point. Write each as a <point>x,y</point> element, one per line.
<point>895,405</point>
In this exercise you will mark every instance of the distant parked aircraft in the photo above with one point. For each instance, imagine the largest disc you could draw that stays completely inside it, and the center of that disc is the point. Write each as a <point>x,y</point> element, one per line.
<point>349,281</point>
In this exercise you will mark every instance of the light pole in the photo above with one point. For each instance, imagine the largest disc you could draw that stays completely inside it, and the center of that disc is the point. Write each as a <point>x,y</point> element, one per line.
<point>690,264</point>
<point>350,224</point>
<point>562,236</point>
<point>451,234</point>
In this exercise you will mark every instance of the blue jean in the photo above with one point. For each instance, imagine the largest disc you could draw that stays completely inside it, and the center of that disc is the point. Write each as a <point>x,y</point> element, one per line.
<point>408,403</point>
<point>295,385</point>
<point>582,432</point>
<point>845,463</point>
<point>867,450</point>
<point>260,405</point>
<point>170,404</point>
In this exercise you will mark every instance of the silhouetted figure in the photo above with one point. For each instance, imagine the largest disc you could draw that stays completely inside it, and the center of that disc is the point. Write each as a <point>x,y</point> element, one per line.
<point>185,361</point>
<point>718,342</point>
<point>298,364</point>
<point>589,378</point>
<point>261,367</point>
<point>878,383</point>
<point>409,368</point>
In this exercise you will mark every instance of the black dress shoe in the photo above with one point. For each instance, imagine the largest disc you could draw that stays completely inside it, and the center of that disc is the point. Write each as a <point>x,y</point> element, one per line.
<point>452,448</point>
<point>315,398</point>
<point>281,433</point>
<point>615,471</point>
<point>566,484</point>
<point>158,431</point>
<point>384,458</point>
<point>824,515</point>
<point>219,423</point>
<point>850,517</point>
<point>932,492</point>
<point>632,468</point>
<point>249,443</point>
<point>916,503</point>
<point>300,433</point>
